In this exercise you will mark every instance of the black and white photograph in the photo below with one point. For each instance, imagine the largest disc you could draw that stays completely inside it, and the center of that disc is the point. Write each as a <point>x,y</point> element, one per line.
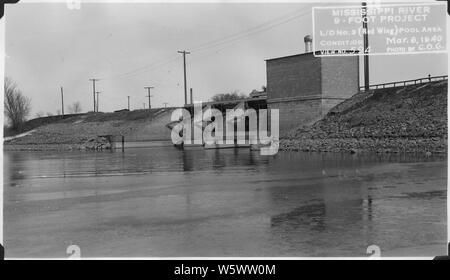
<point>214,130</point>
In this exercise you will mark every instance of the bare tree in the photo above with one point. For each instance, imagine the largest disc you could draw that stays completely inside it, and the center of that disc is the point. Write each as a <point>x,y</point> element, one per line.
<point>17,106</point>
<point>235,95</point>
<point>39,114</point>
<point>75,108</point>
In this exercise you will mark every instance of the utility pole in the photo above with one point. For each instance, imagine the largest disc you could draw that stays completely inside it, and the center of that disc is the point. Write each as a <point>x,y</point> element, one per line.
<point>98,100</point>
<point>165,104</point>
<point>62,102</point>
<point>192,97</point>
<point>184,52</point>
<point>93,90</point>
<point>366,47</point>
<point>128,102</point>
<point>149,88</point>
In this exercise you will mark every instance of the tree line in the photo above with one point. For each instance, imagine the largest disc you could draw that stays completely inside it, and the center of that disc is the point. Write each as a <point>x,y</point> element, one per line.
<point>18,106</point>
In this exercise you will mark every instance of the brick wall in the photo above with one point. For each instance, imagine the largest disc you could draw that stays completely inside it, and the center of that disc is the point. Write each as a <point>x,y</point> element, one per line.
<point>298,75</point>
<point>310,86</point>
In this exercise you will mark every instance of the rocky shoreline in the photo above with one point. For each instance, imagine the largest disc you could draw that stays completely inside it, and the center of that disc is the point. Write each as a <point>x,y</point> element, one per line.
<point>349,145</point>
<point>93,144</point>
<point>367,145</point>
<point>410,119</point>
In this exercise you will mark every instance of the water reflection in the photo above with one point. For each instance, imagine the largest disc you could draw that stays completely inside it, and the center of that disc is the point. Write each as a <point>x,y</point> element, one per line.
<point>22,165</point>
<point>312,216</point>
<point>223,202</point>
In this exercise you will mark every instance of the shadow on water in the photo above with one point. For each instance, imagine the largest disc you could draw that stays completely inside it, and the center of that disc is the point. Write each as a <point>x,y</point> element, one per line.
<point>19,165</point>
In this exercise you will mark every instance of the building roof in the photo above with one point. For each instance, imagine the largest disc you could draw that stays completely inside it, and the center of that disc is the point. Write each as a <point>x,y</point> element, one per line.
<point>288,56</point>
<point>310,53</point>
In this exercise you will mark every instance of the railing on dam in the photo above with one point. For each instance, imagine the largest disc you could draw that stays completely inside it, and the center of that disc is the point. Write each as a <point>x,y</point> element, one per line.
<point>407,82</point>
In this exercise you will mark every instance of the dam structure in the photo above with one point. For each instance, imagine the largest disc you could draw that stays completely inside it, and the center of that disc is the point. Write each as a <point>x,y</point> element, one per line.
<point>302,87</point>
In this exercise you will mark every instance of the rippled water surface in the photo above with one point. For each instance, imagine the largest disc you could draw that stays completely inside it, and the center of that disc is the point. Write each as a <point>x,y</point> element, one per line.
<point>165,202</point>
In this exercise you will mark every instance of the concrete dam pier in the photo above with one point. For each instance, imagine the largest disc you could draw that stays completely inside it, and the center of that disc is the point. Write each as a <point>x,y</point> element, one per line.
<point>302,87</point>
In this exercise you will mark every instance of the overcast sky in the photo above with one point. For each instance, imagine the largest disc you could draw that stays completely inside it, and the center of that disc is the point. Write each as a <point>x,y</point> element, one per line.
<point>129,46</point>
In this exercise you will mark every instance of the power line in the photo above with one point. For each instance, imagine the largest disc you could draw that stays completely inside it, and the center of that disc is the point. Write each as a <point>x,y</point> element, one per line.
<point>184,52</point>
<point>143,69</point>
<point>62,102</point>
<point>254,30</point>
<point>98,100</point>
<point>93,89</point>
<point>366,47</point>
<point>217,42</point>
<point>149,88</point>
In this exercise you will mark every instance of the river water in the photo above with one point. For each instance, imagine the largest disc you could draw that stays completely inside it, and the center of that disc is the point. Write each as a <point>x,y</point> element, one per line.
<point>165,202</point>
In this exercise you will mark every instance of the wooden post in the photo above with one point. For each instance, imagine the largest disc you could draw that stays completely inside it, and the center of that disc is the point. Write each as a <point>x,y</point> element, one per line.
<point>366,47</point>
<point>62,102</point>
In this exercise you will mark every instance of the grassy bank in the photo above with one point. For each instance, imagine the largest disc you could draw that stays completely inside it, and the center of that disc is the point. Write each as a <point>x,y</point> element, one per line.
<point>82,131</point>
<point>410,119</point>
<point>407,119</point>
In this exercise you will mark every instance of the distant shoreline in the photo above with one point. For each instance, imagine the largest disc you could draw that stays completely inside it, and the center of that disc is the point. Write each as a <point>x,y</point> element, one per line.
<point>364,145</point>
<point>388,146</point>
<point>411,119</point>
